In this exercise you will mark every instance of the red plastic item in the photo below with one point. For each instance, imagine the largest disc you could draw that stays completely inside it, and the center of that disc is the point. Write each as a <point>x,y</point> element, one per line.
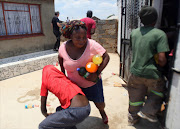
<point>113,74</point>
<point>36,105</point>
<point>56,63</point>
<point>171,54</point>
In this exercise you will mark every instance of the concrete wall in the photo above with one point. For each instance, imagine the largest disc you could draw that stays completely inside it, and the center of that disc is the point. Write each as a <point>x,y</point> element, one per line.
<point>106,34</point>
<point>119,26</point>
<point>20,46</point>
<point>18,65</point>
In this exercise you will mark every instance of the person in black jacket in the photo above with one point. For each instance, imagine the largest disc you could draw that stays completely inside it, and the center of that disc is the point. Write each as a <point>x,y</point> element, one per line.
<point>55,23</point>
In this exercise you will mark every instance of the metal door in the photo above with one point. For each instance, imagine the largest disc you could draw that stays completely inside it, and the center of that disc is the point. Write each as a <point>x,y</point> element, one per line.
<point>129,21</point>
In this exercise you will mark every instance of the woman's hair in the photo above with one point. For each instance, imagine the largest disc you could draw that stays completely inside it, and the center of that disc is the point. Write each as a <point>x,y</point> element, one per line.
<point>68,28</point>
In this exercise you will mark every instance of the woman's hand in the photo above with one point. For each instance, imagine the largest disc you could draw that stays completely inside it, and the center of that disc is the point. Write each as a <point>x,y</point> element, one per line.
<point>92,77</point>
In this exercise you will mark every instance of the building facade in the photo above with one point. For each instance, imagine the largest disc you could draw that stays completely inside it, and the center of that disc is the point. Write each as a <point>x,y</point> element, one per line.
<point>25,26</point>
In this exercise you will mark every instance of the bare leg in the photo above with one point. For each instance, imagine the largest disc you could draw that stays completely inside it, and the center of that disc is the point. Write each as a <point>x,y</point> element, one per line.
<point>101,107</point>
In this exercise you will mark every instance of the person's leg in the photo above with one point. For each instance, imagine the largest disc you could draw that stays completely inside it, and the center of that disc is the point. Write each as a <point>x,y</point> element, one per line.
<point>66,118</point>
<point>154,98</point>
<point>95,94</point>
<point>55,33</point>
<point>74,127</point>
<point>137,92</point>
<point>55,120</point>
<point>101,107</point>
<point>57,44</point>
<point>59,39</point>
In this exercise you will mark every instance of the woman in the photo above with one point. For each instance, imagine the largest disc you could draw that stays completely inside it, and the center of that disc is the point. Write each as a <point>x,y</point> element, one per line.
<point>76,53</point>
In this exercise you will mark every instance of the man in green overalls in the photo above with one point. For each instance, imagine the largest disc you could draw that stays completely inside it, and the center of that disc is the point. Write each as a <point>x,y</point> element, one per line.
<point>145,78</point>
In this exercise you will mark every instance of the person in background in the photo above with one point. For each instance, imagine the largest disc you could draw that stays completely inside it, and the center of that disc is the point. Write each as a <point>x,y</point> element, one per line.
<point>55,23</point>
<point>74,105</point>
<point>67,20</point>
<point>90,24</point>
<point>145,78</point>
<point>76,53</point>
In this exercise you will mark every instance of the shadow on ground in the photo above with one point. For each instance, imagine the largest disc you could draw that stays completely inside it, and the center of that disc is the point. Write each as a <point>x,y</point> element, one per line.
<point>145,124</point>
<point>92,123</point>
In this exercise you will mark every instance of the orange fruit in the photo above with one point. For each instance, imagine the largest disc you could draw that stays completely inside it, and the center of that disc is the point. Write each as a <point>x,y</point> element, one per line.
<point>91,67</point>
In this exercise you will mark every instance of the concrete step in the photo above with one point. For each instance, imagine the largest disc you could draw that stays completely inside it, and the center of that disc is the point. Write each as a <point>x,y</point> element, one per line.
<point>18,65</point>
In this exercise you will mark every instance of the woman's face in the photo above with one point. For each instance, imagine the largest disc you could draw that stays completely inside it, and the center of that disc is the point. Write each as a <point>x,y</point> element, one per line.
<point>79,38</point>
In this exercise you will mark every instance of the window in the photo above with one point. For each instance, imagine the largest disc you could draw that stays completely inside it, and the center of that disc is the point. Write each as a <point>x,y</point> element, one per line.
<point>19,19</point>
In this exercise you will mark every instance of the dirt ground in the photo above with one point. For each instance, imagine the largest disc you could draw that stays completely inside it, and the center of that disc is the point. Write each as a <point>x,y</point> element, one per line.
<point>25,89</point>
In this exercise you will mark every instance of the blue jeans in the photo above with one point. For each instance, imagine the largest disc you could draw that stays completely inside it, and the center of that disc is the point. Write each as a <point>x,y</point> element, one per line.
<point>66,118</point>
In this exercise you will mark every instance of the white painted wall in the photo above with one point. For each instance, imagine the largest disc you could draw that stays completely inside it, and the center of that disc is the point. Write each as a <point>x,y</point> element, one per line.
<point>173,112</point>
<point>158,5</point>
<point>119,27</point>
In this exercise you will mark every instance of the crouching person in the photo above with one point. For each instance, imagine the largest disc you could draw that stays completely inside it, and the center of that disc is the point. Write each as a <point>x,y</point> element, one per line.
<point>74,105</point>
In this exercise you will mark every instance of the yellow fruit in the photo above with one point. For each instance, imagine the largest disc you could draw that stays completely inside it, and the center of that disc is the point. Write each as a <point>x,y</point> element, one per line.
<point>97,59</point>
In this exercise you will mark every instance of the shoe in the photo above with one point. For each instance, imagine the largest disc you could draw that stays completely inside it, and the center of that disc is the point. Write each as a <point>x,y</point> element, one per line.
<point>142,115</point>
<point>132,121</point>
<point>105,121</point>
<point>57,49</point>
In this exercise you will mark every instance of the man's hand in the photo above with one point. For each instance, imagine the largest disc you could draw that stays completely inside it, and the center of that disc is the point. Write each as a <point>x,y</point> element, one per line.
<point>48,114</point>
<point>58,24</point>
<point>43,106</point>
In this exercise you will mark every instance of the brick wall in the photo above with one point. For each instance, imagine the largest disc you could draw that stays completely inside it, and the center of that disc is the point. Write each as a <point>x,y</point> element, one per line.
<point>106,34</point>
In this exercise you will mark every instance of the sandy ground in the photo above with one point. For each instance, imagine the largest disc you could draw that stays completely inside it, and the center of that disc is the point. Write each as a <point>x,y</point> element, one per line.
<point>25,89</point>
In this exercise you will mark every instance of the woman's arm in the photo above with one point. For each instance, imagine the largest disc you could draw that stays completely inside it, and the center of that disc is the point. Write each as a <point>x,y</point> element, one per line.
<point>93,76</point>
<point>104,63</point>
<point>60,59</point>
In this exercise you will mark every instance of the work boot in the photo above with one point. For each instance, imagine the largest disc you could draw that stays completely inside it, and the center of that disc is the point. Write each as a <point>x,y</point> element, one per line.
<point>148,117</point>
<point>132,120</point>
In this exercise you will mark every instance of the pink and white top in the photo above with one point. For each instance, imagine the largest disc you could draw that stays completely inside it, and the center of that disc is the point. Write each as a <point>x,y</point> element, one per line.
<point>71,65</point>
